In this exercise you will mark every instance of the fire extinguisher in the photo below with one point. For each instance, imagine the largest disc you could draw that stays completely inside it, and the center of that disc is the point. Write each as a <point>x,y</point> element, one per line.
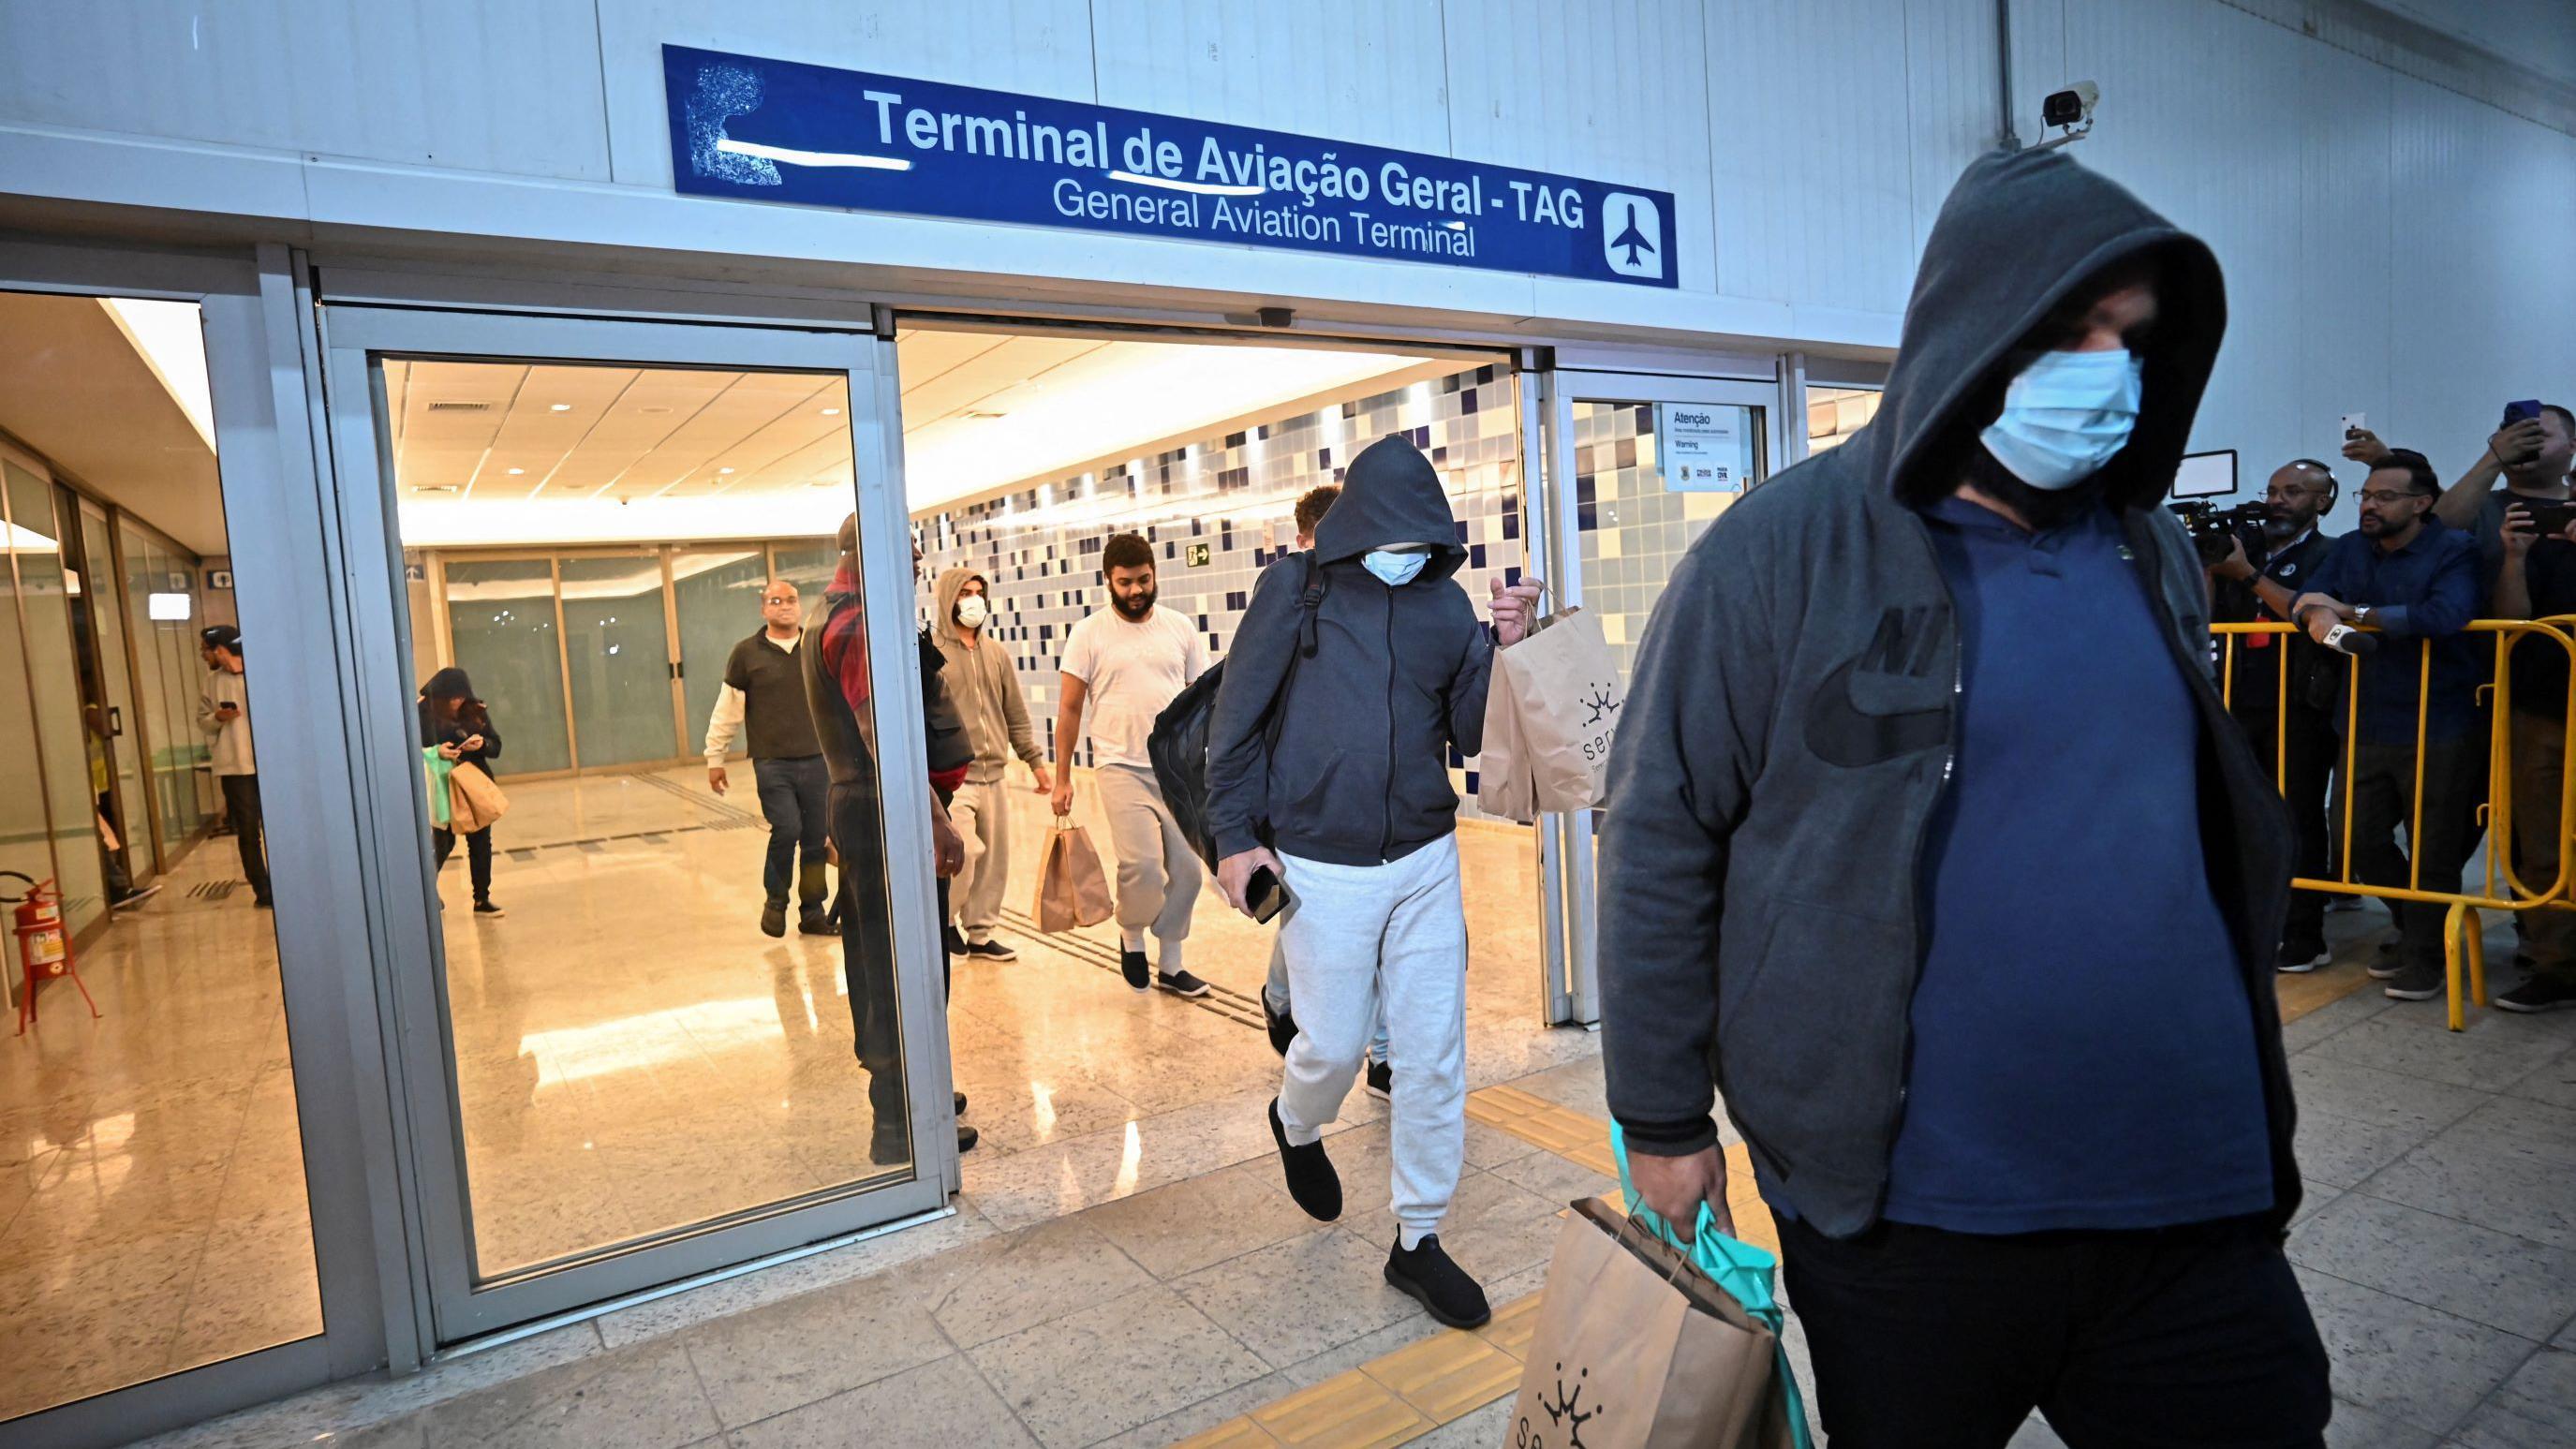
<point>44,952</point>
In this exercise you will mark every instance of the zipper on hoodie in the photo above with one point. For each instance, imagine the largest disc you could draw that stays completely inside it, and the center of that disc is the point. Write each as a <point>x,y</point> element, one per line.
<point>1386,816</point>
<point>1922,832</point>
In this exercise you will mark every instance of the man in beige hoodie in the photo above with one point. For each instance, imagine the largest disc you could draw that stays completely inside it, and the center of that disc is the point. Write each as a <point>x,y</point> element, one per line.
<point>984,680</point>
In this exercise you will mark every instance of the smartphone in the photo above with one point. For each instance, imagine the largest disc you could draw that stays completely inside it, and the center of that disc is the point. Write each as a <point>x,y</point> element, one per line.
<point>2355,423</point>
<point>2548,516</point>
<point>2524,411</point>
<point>1267,894</point>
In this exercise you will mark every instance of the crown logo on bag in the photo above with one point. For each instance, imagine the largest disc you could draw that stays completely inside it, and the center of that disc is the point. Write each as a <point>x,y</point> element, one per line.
<point>1563,1412</point>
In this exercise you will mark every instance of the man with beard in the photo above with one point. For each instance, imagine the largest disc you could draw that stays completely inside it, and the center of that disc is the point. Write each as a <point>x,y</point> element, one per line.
<point>1930,838</point>
<point>1121,666</point>
<point>2531,455</point>
<point>2289,722</point>
<point>2417,581</point>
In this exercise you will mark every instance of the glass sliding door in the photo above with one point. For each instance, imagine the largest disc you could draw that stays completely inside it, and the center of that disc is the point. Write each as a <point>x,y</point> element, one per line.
<point>501,623</point>
<point>104,600</point>
<point>43,607</point>
<point>716,594</point>
<point>614,1093</point>
<point>617,654</point>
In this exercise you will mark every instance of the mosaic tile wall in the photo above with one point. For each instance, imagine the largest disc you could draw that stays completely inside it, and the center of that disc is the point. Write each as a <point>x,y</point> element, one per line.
<point>1633,528</point>
<point>1233,496</point>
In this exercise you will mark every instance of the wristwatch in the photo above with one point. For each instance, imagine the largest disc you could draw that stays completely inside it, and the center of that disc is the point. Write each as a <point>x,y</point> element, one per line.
<point>2361,613</point>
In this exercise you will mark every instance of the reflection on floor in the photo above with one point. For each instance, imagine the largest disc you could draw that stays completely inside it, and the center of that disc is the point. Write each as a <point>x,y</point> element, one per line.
<point>152,1204</point>
<point>634,1056</point>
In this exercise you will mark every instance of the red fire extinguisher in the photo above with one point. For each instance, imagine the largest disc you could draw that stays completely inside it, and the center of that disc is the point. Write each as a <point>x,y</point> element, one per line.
<point>44,947</point>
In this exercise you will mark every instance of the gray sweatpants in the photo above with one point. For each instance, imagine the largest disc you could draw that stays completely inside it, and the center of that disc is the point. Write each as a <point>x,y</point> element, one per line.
<point>1275,991</point>
<point>1158,874</point>
<point>1392,935</point>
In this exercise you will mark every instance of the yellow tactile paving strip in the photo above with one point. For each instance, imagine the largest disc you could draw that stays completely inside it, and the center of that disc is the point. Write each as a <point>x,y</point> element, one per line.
<point>1408,1393</point>
<point>1418,1388</point>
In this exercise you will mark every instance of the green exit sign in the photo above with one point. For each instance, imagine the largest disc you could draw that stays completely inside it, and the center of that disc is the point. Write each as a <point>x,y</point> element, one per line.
<point>1198,555</point>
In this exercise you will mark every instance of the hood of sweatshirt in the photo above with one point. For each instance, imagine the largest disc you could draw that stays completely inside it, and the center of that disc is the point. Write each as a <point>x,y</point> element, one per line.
<point>943,602</point>
<point>1391,494</point>
<point>449,684</point>
<point>2022,234</point>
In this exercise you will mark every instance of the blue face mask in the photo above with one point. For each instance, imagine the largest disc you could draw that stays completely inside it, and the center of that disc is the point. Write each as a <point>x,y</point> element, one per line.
<point>1394,569</point>
<point>2065,416</point>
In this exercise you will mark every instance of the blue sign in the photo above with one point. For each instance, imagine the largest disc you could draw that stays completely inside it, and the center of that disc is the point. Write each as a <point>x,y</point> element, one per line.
<point>775,130</point>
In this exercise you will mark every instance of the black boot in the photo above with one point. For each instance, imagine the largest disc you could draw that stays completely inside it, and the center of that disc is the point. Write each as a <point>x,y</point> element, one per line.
<point>1426,1274</point>
<point>1311,1179</point>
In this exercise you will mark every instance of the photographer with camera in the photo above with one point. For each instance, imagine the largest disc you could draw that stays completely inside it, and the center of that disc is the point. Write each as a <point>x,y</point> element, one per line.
<point>2539,582</point>
<point>2292,728</point>
<point>2415,581</point>
<point>2531,450</point>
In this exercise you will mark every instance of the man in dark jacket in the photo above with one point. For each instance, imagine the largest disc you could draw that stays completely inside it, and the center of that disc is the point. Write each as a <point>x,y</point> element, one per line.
<point>839,690</point>
<point>1930,840</point>
<point>1328,764</point>
<point>2281,687</point>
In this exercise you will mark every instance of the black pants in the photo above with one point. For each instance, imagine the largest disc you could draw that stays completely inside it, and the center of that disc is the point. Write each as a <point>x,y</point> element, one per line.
<point>795,797</point>
<point>1940,1340</point>
<point>867,950</point>
<point>2305,755</point>
<point>478,856</point>
<point>241,807</point>
<point>2383,802</point>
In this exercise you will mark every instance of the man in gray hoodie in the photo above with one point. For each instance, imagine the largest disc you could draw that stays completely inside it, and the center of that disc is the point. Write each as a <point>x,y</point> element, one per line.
<point>1357,668</point>
<point>985,682</point>
<point>1930,844</point>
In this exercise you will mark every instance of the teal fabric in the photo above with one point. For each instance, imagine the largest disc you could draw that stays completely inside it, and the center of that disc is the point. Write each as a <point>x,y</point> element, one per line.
<point>438,768</point>
<point>1740,1268</point>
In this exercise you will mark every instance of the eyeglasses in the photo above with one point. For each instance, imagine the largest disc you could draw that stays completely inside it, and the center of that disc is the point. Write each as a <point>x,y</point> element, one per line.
<point>2383,497</point>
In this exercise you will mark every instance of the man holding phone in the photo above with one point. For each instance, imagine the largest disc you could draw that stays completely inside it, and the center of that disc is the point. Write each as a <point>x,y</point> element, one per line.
<point>2539,582</point>
<point>1363,838</point>
<point>2531,450</point>
<point>223,713</point>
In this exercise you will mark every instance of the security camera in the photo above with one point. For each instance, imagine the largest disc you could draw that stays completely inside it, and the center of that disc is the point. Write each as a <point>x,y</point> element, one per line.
<point>2071,106</point>
<point>2071,111</point>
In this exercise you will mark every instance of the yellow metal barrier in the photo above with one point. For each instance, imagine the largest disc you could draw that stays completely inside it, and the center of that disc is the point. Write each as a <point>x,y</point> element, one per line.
<point>2463,933</point>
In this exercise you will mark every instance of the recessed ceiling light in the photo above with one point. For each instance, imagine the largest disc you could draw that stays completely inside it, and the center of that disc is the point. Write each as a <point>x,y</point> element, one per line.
<point>724,470</point>
<point>559,407</point>
<point>831,412</point>
<point>652,410</point>
<point>515,472</point>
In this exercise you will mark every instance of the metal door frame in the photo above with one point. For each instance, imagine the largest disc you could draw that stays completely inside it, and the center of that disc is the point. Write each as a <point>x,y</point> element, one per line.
<point>1559,389</point>
<point>451,1307</point>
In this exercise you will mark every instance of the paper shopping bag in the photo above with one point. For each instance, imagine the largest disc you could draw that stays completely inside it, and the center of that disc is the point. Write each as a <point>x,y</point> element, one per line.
<point>1072,890</point>
<point>473,799</point>
<point>1562,689</point>
<point>1504,787</point>
<point>1634,1350</point>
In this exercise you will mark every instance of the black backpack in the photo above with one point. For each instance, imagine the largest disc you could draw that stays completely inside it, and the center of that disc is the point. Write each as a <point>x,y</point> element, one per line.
<point>1179,744</point>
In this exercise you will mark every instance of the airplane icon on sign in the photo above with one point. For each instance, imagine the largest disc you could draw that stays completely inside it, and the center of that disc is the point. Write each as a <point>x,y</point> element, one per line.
<point>1633,251</point>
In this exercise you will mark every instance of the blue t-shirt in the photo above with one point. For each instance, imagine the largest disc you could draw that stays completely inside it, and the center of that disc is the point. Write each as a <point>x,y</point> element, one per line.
<point>2083,1046</point>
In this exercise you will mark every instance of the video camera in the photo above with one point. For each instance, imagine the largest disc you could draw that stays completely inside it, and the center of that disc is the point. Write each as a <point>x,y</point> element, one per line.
<point>2202,479</point>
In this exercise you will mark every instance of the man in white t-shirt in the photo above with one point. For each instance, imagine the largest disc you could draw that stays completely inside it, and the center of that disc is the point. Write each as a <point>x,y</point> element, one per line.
<point>1121,666</point>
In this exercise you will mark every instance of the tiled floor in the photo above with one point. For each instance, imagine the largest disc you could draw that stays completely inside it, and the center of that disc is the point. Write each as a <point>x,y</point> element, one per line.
<point>1125,1269</point>
<point>152,1205</point>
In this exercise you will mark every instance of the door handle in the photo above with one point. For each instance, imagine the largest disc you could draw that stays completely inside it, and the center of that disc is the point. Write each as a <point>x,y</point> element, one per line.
<point>115,723</point>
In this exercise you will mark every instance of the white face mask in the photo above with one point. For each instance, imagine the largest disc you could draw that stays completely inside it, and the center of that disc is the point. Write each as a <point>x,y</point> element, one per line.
<point>972,611</point>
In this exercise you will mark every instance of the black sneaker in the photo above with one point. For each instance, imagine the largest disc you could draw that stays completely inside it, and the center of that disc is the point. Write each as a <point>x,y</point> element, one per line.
<point>137,895</point>
<point>967,1137</point>
<point>1427,1275</point>
<point>1283,1027</point>
<point>773,917</point>
<point>2416,981</point>
<point>1311,1179</point>
<point>1180,983</point>
<point>1140,976</point>
<point>2301,956</point>
<point>990,951</point>
<point>2384,962</point>
<point>960,1098</point>
<point>1381,1080</point>
<point>262,903</point>
<point>951,942</point>
<point>488,910</point>
<point>2540,993</point>
<point>813,922</point>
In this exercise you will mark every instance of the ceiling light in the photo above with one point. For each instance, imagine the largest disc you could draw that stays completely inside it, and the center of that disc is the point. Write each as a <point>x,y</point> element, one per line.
<point>724,470</point>
<point>559,407</point>
<point>515,472</point>
<point>831,412</point>
<point>984,416</point>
